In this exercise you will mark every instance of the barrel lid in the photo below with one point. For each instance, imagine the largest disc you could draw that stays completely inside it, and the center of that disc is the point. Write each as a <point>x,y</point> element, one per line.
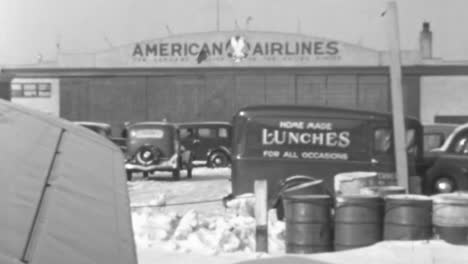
<point>451,198</point>
<point>356,197</point>
<point>414,197</point>
<point>305,197</point>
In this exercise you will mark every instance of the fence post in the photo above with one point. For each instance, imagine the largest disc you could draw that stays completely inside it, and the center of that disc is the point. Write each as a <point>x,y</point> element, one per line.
<point>261,215</point>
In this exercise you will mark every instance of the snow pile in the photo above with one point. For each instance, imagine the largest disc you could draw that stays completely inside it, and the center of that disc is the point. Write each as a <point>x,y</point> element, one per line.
<point>149,225</point>
<point>197,233</point>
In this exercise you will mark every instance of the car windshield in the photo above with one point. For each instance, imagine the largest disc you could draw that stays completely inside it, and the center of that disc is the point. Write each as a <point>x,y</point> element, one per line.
<point>148,133</point>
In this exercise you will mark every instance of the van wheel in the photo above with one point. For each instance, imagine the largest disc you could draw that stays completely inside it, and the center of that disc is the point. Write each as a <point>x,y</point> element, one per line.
<point>129,176</point>
<point>218,159</point>
<point>176,175</point>
<point>145,174</point>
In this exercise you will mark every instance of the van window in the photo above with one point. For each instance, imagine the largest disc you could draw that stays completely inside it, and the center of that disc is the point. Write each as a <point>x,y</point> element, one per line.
<point>383,142</point>
<point>318,138</point>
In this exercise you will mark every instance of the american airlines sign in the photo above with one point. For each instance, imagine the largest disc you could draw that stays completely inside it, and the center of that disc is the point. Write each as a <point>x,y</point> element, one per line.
<point>236,49</point>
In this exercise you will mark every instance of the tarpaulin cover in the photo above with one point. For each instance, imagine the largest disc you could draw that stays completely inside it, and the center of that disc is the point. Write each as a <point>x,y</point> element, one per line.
<point>63,193</point>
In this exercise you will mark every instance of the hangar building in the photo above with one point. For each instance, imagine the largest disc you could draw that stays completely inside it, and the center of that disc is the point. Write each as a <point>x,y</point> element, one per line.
<point>210,75</point>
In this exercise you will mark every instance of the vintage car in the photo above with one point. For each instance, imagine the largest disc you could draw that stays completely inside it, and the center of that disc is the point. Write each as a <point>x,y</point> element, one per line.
<point>448,168</point>
<point>280,142</point>
<point>105,130</point>
<point>155,146</point>
<point>210,142</point>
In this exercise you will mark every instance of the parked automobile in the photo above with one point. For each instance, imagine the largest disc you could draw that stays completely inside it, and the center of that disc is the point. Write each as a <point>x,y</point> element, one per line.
<point>436,134</point>
<point>105,130</point>
<point>277,143</point>
<point>448,169</point>
<point>210,142</point>
<point>155,146</point>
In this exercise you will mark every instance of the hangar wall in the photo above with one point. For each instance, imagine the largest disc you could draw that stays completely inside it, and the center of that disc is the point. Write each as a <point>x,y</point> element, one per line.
<point>444,98</point>
<point>218,94</point>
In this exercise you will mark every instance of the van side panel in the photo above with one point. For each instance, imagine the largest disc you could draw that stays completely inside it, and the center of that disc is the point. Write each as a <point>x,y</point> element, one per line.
<point>246,171</point>
<point>276,142</point>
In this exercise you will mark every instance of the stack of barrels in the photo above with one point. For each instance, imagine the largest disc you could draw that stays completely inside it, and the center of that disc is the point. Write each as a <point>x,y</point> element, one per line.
<point>321,223</point>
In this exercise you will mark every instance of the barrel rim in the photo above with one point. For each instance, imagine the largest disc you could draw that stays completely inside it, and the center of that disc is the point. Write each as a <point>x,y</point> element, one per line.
<point>306,197</point>
<point>457,198</point>
<point>408,197</point>
<point>354,197</point>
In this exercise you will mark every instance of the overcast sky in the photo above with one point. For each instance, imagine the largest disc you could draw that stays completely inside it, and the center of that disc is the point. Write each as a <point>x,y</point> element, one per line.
<point>32,27</point>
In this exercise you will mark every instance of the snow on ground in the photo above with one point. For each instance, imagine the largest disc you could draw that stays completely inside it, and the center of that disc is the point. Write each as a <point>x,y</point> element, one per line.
<point>209,233</point>
<point>206,184</point>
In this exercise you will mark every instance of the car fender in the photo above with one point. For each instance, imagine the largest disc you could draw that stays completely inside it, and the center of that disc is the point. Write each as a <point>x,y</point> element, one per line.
<point>440,169</point>
<point>223,149</point>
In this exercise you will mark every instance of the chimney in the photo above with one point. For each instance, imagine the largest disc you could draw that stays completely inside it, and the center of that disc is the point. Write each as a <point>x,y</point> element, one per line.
<point>425,41</point>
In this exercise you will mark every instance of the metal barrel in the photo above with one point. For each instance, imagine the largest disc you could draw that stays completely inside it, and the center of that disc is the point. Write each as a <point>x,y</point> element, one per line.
<point>358,221</point>
<point>408,217</point>
<point>450,217</point>
<point>308,223</point>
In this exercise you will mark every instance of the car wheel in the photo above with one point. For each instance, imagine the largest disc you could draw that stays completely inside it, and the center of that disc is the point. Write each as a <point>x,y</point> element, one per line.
<point>176,175</point>
<point>444,184</point>
<point>218,160</point>
<point>129,176</point>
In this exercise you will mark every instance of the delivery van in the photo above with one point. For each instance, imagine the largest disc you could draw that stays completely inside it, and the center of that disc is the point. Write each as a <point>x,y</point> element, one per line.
<point>276,142</point>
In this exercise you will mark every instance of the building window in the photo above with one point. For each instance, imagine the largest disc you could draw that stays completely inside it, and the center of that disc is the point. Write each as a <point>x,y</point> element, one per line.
<point>29,90</point>
<point>16,90</point>
<point>44,90</point>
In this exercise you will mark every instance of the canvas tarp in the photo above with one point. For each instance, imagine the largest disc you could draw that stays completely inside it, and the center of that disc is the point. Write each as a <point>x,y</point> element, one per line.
<point>63,193</point>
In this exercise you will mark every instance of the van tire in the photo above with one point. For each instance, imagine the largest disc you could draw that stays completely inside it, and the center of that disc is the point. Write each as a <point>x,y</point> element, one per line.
<point>145,174</point>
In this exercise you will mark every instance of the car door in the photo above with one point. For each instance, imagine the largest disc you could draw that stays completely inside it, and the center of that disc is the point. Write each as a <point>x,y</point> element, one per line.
<point>224,137</point>
<point>207,137</point>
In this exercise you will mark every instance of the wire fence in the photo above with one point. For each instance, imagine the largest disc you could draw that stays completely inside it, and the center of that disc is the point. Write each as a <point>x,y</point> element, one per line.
<point>176,204</point>
<point>223,200</point>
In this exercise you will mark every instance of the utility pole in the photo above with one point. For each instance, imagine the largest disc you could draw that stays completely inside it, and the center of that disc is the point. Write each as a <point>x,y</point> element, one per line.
<point>399,131</point>
<point>217,15</point>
